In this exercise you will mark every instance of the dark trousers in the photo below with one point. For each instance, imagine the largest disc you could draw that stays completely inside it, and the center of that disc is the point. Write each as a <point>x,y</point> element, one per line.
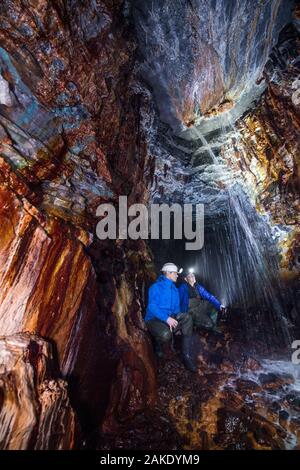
<point>203,314</point>
<point>161,331</point>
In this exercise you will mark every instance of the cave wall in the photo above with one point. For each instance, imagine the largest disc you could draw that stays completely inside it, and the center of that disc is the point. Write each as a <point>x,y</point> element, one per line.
<point>266,147</point>
<point>78,128</point>
<point>255,158</point>
<point>70,138</point>
<point>35,406</point>
<point>246,173</point>
<point>199,56</point>
<point>273,130</point>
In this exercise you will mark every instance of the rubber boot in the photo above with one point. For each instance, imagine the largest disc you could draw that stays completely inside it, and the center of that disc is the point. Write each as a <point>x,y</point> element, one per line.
<point>158,350</point>
<point>186,354</point>
<point>214,328</point>
<point>217,331</point>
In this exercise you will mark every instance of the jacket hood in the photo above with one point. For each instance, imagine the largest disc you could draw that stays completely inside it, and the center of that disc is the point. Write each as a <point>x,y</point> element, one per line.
<point>162,278</point>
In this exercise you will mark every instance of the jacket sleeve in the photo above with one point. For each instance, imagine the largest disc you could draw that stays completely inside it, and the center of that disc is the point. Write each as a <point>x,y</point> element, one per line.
<point>153,304</point>
<point>183,297</point>
<point>177,306</point>
<point>207,296</point>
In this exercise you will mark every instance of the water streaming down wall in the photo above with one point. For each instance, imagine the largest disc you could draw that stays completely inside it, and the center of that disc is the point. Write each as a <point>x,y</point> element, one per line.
<point>240,263</point>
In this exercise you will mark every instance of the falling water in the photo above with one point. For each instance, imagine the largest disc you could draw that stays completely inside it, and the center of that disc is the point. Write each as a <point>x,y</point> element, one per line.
<point>241,253</point>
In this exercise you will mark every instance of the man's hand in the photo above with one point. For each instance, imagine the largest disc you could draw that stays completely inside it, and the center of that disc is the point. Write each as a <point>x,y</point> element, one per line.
<point>172,323</point>
<point>223,309</point>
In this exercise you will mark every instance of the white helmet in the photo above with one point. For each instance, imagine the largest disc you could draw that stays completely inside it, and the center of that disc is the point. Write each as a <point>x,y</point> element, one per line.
<point>171,268</point>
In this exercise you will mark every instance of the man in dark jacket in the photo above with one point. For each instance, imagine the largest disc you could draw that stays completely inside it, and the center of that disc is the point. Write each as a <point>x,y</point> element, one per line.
<point>163,315</point>
<point>201,305</point>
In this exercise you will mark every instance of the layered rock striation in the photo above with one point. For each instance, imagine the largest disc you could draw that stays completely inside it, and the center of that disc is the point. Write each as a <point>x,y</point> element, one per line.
<point>70,138</point>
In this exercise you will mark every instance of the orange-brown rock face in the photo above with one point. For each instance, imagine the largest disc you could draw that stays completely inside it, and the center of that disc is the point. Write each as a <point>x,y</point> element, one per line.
<point>266,148</point>
<point>73,117</point>
<point>66,86</point>
<point>35,409</point>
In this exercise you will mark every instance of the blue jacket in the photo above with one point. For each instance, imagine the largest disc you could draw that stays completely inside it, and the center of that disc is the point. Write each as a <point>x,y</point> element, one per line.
<point>204,294</point>
<point>163,299</point>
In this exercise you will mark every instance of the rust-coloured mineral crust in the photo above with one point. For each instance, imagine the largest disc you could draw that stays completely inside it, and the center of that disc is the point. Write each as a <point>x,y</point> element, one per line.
<point>92,97</point>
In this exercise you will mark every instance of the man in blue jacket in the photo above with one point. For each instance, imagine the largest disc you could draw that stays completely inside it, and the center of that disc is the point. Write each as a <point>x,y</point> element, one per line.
<point>199,303</point>
<point>163,315</point>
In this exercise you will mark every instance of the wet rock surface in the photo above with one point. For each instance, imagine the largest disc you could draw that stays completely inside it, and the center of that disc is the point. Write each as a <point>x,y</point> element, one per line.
<point>190,59</point>
<point>232,402</point>
<point>77,128</point>
<point>245,172</point>
<point>70,138</point>
<point>35,408</point>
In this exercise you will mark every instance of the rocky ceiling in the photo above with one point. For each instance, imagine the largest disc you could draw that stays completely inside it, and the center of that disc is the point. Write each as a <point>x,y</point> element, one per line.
<point>205,57</point>
<point>227,98</point>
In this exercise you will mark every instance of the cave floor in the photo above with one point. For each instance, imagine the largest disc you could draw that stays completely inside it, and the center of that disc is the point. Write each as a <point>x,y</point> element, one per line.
<point>234,401</point>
